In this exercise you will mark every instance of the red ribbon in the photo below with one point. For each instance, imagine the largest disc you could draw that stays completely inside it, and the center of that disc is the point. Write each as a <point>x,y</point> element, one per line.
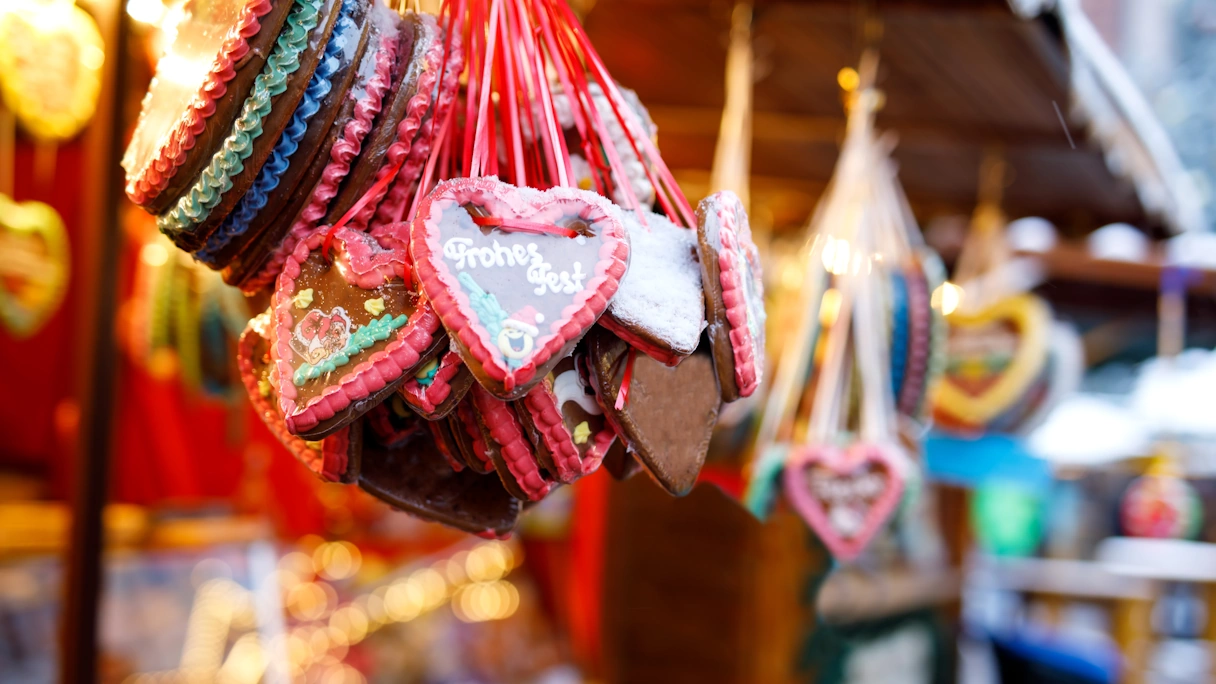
<point>622,394</point>
<point>522,226</point>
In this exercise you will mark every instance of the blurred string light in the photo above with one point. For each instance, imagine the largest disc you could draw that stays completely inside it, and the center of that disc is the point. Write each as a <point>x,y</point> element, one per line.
<point>947,298</point>
<point>472,581</point>
<point>150,12</point>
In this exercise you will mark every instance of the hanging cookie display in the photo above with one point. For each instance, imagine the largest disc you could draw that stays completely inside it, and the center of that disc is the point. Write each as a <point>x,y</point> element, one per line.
<point>34,273</point>
<point>565,420</point>
<point>1161,504</point>
<point>51,56</point>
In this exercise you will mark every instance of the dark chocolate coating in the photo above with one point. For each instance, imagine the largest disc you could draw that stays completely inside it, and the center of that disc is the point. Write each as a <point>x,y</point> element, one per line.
<point>416,479</point>
<point>227,108</point>
<point>282,109</point>
<point>670,413</point>
<point>384,132</point>
<point>272,227</point>
<point>619,464</point>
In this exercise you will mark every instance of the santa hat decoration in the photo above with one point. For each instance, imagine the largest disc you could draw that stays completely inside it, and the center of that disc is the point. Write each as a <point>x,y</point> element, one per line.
<point>523,321</point>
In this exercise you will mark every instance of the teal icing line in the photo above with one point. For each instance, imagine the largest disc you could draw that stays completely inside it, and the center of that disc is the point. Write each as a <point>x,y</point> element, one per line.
<point>429,378</point>
<point>365,336</point>
<point>216,179</point>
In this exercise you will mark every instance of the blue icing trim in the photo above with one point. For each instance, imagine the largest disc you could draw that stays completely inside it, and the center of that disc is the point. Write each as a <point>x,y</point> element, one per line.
<point>899,331</point>
<point>428,378</point>
<point>365,336</point>
<point>280,158</point>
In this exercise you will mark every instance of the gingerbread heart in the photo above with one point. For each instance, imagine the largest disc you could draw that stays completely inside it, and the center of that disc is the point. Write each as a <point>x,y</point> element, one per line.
<point>566,422</point>
<point>669,413</point>
<point>734,293</point>
<point>468,436</point>
<point>619,463</point>
<point>346,332</point>
<point>416,479</point>
<point>845,495</point>
<point>51,56</point>
<point>446,442</point>
<point>337,457</point>
<point>437,386</point>
<point>517,275</point>
<point>35,268</point>
<point>508,447</point>
<point>660,307</point>
<point>994,358</point>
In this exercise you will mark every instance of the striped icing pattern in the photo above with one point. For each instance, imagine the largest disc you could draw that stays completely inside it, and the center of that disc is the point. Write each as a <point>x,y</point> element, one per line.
<point>280,158</point>
<point>216,179</point>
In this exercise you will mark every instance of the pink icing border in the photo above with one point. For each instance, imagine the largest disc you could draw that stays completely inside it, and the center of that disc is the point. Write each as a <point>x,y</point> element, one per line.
<point>541,404</point>
<point>342,155</point>
<point>392,209</point>
<point>734,296</point>
<point>468,422</point>
<point>331,462</point>
<point>452,304</point>
<point>409,126</point>
<point>920,331</point>
<point>666,357</point>
<point>516,450</point>
<point>842,462</point>
<point>383,367</point>
<point>427,399</point>
<point>149,181</point>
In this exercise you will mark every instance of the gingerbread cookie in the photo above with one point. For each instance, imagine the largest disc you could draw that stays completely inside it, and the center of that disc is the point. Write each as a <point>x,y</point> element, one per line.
<point>297,146</point>
<point>516,275</point>
<point>346,332</point>
<point>392,422</point>
<point>416,479</point>
<point>469,438</point>
<point>266,247</point>
<point>659,307</point>
<point>734,293</point>
<point>566,422</point>
<point>619,463</point>
<point>438,386</point>
<point>508,447</point>
<point>669,413</point>
<point>265,115</point>
<point>335,458</point>
<point>185,115</point>
<point>446,442</point>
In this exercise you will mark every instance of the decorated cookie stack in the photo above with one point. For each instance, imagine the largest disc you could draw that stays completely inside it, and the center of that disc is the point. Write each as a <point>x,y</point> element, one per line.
<point>484,281</point>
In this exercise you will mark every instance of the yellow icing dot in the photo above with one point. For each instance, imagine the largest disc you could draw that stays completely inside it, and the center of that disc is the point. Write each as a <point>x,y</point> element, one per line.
<point>315,446</point>
<point>375,306</point>
<point>303,298</point>
<point>425,370</point>
<point>582,431</point>
<point>264,388</point>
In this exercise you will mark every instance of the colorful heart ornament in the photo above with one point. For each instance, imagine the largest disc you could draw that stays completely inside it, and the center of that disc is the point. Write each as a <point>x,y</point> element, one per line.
<point>517,275</point>
<point>335,458</point>
<point>35,269</point>
<point>995,357</point>
<point>346,332</point>
<point>734,293</point>
<point>845,495</point>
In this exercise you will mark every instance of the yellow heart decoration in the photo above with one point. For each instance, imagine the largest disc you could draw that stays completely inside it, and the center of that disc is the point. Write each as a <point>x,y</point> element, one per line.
<point>51,55</point>
<point>34,270</point>
<point>1031,318</point>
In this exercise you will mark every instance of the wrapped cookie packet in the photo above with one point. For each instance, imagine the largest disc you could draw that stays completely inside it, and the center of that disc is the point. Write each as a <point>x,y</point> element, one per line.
<point>484,281</point>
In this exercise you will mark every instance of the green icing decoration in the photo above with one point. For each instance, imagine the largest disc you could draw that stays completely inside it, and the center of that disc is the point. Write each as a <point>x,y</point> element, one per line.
<point>216,179</point>
<point>365,336</point>
<point>489,312</point>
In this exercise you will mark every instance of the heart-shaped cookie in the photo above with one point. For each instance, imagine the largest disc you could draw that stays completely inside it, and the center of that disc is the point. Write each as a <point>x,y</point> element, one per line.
<point>416,479</point>
<point>508,447</point>
<point>335,458</point>
<point>346,332</point>
<point>845,495</point>
<point>34,271</point>
<point>669,414</point>
<point>516,275</point>
<point>994,358</point>
<point>438,386</point>
<point>51,55</point>
<point>734,293</point>
<point>469,438</point>
<point>565,420</point>
<point>659,308</point>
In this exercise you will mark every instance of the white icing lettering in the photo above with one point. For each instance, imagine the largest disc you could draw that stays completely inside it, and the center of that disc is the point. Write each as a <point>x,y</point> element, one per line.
<point>540,272</point>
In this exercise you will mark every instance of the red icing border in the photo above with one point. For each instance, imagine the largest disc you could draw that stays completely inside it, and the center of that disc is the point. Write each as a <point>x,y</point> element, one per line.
<point>664,356</point>
<point>541,404</point>
<point>427,399</point>
<point>384,367</point>
<point>149,181</point>
<point>468,422</point>
<point>734,295</point>
<point>920,324</point>
<point>331,462</point>
<point>392,209</point>
<point>516,450</point>
<point>451,303</point>
<point>342,155</point>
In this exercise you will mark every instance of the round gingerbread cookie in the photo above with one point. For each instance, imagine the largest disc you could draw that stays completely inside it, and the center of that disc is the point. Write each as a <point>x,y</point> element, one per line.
<point>734,293</point>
